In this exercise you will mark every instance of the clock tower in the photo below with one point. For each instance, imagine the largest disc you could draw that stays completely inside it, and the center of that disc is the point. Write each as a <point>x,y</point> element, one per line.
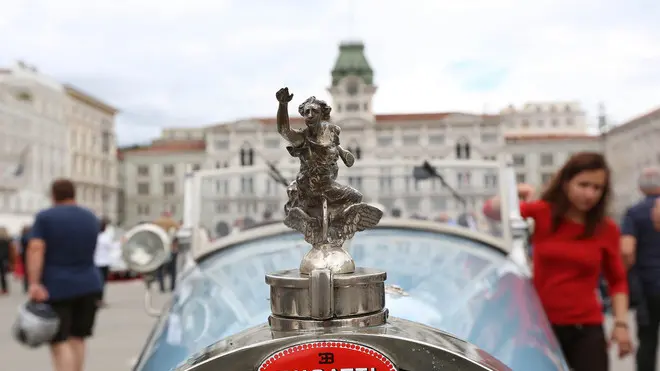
<point>352,88</point>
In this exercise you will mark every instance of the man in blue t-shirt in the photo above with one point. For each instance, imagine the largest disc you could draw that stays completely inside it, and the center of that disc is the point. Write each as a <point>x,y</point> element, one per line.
<point>61,271</point>
<point>640,247</point>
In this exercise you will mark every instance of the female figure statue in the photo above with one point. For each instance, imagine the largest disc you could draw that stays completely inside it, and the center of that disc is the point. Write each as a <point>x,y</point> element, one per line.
<point>324,210</point>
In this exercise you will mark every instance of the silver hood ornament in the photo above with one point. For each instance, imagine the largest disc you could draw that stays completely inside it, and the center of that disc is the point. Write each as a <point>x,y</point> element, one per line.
<point>326,212</point>
<point>327,289</point>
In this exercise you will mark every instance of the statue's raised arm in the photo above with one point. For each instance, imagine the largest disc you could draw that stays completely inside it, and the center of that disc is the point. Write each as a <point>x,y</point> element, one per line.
<point>283,127</point>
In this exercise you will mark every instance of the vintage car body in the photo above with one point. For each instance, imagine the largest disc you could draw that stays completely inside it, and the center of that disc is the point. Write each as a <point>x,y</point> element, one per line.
<point>453,298</point>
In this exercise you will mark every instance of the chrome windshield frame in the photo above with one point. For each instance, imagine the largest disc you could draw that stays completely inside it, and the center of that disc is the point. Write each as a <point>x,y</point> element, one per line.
<point>514,227</point>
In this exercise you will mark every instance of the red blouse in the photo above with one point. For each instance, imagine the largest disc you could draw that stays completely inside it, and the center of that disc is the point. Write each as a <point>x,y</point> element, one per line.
<point>567,269</point>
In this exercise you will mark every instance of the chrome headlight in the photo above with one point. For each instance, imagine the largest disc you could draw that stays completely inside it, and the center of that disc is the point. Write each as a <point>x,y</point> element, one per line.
<point>145,248</point>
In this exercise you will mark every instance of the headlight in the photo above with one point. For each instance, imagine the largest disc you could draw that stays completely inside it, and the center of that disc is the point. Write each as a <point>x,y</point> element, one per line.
<point>145,248</point>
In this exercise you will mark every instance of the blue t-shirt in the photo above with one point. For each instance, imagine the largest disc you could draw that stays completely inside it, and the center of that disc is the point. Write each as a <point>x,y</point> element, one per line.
<point>70,233</point>
<point>637,223</point>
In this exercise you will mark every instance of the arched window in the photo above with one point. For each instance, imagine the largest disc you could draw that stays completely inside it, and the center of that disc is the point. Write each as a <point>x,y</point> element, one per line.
<point>247,155</point>
<point>355,149</point>
<point>463,149</point>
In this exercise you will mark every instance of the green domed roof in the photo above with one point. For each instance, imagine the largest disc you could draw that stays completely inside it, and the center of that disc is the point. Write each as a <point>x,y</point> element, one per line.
<point>352,62</point>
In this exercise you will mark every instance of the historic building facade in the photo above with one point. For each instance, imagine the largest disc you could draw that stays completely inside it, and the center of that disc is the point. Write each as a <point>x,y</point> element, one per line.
<point>91,130</point>
<point>50,130</point>
<point>33,142</point>
<point>539,137</point>
<point>630,147</point>
<point>152,179</point>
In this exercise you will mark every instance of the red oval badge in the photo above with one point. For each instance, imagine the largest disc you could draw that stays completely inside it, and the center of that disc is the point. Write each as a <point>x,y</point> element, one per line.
<point>327,356</point>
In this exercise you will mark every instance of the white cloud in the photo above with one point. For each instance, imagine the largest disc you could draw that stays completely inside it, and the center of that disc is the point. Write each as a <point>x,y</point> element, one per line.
<point>190,62</point>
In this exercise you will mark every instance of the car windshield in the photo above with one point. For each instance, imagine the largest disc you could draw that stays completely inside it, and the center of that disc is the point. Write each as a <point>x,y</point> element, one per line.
<point>230,200</point>
<point>455,283</point>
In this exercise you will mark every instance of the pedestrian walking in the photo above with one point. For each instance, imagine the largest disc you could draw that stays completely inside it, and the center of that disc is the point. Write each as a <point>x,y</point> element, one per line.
<point>574,243</point>
<point>61,272</point>
<point>170,226</point>
<point>103,256</point>
<point>640,247</point>
<point>7,252</point>
<point>23,242</point>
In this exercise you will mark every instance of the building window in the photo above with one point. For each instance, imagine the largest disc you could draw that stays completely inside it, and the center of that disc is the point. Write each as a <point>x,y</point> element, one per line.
<point>490,181</point>
<point>518,160</point>
<point>352,88</point>
<point>143,210</point>
<point>569,121</point>
<point>247,156</point>
<point>143,170</point>
<point>437,139</point>
<point>354,148</point>
<point>143,188</point>
<point>170,208</point>
<point>221,207</point>
<point>196,167</point>
<point>411,184</point>
<point>221,144</point>
<point>355,182</point>
<point>410,140</point>
<point>168,170</point>
<point>488,137</point>
<point>168,188</point>
<point>436,184</point>
<point>546,178</point>
<point>352,107</point>
<point>520,178</point>
<point>463,179</point>
<point>106,139</point>
<point>525,123</point>
<point>463,149</point>
<point>222,186</point>
<point>247,185</point>
<point>546,159</point>
<point>385,183</point>
<point>272,143</point>
<point>384,141</point>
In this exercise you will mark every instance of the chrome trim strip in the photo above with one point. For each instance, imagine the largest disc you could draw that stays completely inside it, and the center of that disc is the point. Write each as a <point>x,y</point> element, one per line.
<point>413,224</point>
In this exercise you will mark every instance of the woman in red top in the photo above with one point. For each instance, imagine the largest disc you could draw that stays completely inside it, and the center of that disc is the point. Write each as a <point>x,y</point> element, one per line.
<point>574,243</point>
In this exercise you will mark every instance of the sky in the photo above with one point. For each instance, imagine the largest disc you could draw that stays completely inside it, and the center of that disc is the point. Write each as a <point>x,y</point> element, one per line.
<point>180,63</point>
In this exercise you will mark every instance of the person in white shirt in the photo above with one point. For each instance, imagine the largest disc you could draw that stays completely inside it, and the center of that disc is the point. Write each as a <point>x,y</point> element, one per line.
<point>103,256</point>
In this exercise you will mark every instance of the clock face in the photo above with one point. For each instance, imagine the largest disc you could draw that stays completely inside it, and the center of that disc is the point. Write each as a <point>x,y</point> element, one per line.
<point>352,88</point>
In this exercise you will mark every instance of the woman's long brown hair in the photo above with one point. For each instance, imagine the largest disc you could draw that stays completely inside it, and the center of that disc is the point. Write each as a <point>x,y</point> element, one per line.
<point>556,195</point>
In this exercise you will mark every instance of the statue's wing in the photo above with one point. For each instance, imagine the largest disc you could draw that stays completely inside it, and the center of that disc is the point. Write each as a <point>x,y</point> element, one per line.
<point>298,220</point>
<point>354,219</point>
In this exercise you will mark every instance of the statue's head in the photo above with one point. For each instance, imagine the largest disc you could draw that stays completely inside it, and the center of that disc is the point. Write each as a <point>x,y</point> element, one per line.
<point>314,111</point>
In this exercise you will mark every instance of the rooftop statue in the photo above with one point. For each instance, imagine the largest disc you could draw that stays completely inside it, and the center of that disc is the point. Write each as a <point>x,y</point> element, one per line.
<point>326,212</point>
